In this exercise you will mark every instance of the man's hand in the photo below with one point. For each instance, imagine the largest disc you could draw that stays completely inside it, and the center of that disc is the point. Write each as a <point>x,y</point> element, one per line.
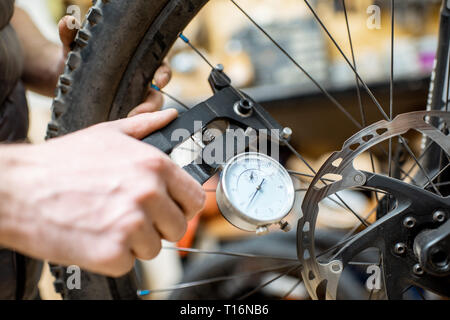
<point>97,198</point>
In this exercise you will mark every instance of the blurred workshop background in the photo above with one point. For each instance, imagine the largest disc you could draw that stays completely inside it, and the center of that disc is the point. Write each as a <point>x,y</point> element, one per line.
<point>253,63</point>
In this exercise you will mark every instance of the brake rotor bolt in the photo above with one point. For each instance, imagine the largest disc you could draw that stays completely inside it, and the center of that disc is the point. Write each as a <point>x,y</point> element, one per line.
<point>286,133</point>
<point>439,216</point>
<point>336,267</point>
<point>400,248</point>
<point>417,269</point>
<point>409,222</point>
<point>285,226</point>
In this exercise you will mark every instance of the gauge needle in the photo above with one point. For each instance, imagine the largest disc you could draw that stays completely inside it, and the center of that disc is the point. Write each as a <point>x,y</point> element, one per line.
<point>256,192</point>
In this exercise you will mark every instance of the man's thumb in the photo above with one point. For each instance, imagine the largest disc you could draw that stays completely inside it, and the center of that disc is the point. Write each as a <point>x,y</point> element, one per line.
<point>67,27</point>
<point>143,124</point>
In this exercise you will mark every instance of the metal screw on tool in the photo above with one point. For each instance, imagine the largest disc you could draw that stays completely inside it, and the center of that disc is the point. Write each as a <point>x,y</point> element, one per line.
<point>417,269</point>
<point>400,248</point>
<point>439,216</point>
<point>208,136</point>
<point>409,222</point>
<point>285,226</point>
<point>286,133</point>
<point>219,67</point>
<point>244,107</point>
<point>262,230</point>
<point>358,178</point>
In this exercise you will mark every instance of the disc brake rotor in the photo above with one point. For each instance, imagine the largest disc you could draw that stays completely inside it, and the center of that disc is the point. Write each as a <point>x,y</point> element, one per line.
<point>400,267</point>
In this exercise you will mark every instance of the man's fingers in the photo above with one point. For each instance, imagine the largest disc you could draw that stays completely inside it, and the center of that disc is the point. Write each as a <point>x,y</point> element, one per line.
<point>68,27</point>
<point>143,124</point>
<point>163,75</point>
<point>167,217</point>
<point>146,243</point>
<point>152,103</point>
<point>155,100</point>
<point>187,192</point>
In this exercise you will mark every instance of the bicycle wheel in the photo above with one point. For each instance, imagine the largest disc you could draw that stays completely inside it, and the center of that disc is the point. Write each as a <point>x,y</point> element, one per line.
<point>115,55</point>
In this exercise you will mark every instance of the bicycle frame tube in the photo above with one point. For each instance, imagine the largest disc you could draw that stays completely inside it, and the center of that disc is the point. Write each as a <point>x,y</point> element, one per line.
<point>438,87</point>
<point>437,98</point>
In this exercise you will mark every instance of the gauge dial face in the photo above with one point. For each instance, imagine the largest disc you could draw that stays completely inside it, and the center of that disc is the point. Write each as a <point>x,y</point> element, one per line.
<point>258,187</point>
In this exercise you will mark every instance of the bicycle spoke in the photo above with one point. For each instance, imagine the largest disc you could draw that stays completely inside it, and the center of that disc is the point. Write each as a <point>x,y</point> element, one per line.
<point>186,40</point>
<point>420,294</point>
<point>424,152</point>
<point>391,79</point>
<point>414,289</point>
<point>359,263</point>
<point>186,149</point>
<point>365,188</point>
<point>358,90</point>
<point>419,158</point>
<point>182,105</point>
<point>265,284</point>
<point>314,81</point>
<point>347,237</point>
<point>391,93</point>
<point>437,175</point>
<point>448,84</point>
<point>345,206</point>
<point>408,149</point>
<point>356,73</point>
<point>391,89</point>
<point>360,188</point>
<point>386,154</point>
<point>334,247</point>
<point>232,254</point>
<point>155,87</point>
<point>295,152</point>
<point>369,92</point>
<point>296,173</point>
<point>407,289</point>
<point>211,280</point>
<point>292,289</point>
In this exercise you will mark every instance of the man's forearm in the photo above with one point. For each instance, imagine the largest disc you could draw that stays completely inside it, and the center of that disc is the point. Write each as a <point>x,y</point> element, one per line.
<point>12,158</point>
<point>42,57</point>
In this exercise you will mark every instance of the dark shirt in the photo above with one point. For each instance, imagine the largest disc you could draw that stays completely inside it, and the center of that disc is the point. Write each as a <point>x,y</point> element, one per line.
<point>18,274</point>
<point>13,107</point>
